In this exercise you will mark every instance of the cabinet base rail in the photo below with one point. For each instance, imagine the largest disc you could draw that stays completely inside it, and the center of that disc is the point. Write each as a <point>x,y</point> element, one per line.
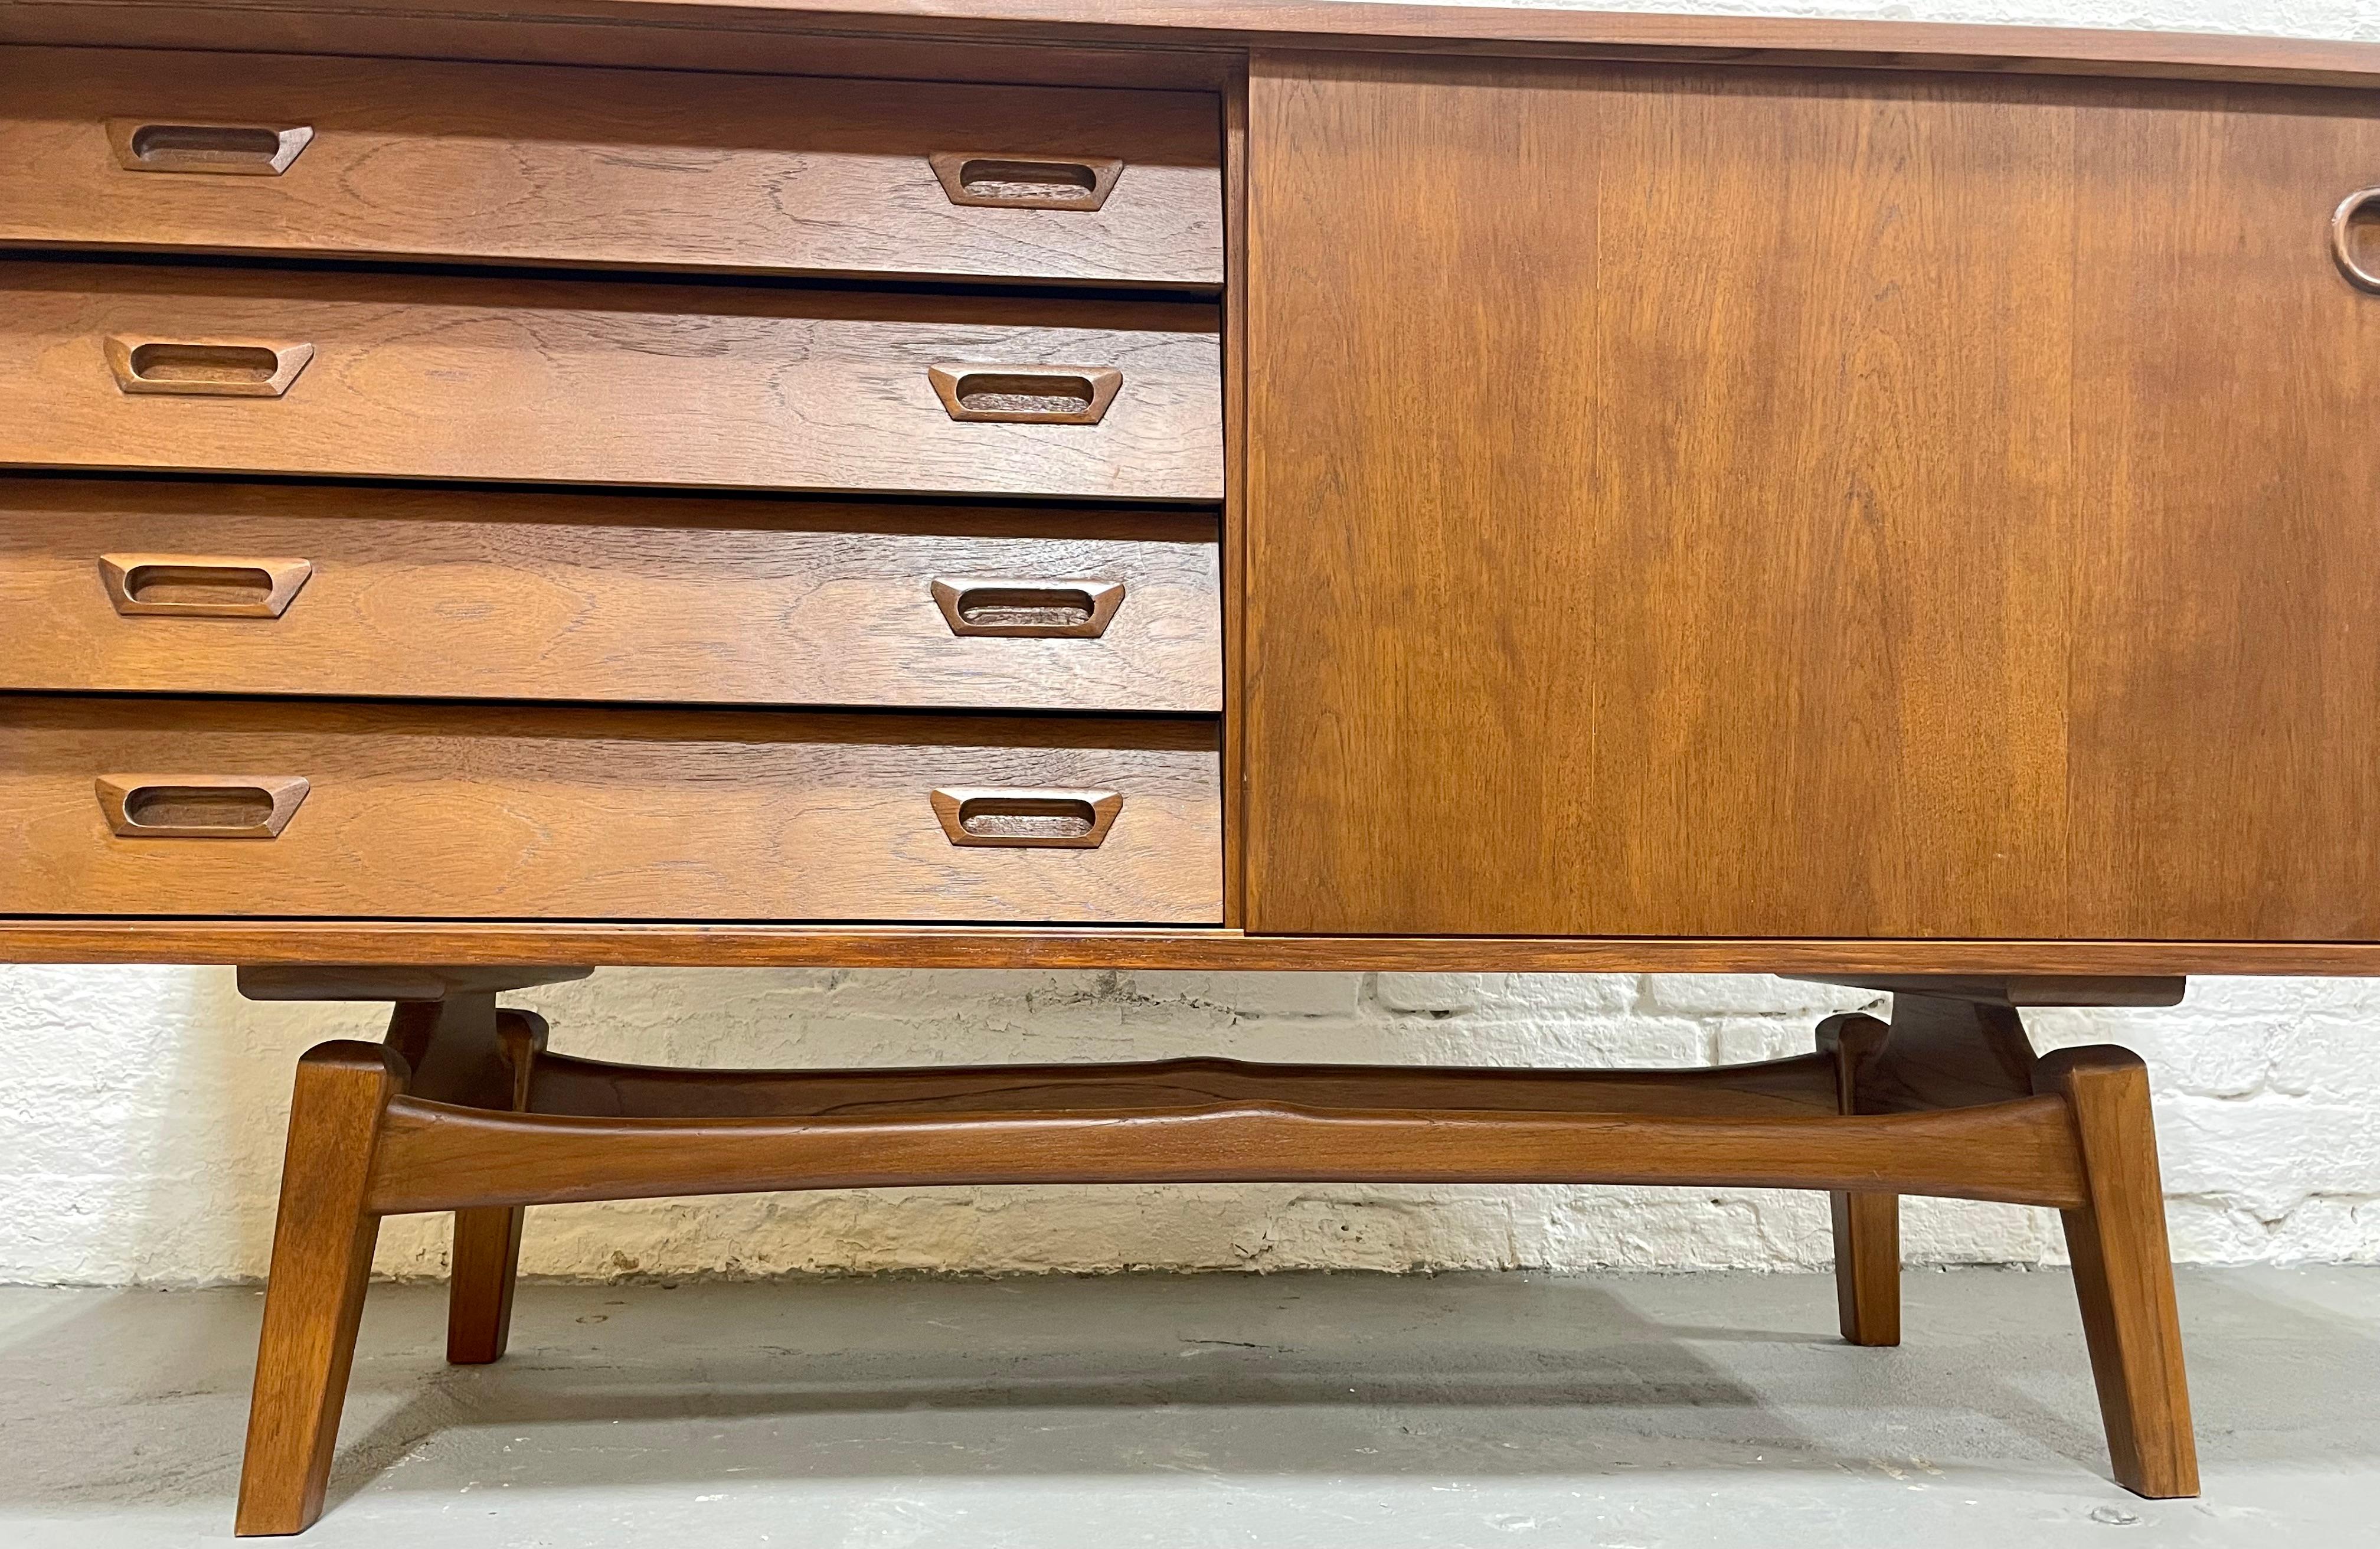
<point>463,1108</point>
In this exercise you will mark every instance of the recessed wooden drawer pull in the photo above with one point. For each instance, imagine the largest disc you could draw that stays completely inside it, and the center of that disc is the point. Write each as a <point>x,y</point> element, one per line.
<point>2342,237</point>
<point>207,367</point>
<point>201,585</point>
<point>199,806</point>
<point>1026,395</point>
<point>1025,182</point>
<point>1027,819</point>
<point>1027,609</point>
<point>243,150</point>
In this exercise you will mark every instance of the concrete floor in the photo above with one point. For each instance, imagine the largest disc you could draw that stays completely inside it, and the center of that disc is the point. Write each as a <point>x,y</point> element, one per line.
<point>1283,1411</point>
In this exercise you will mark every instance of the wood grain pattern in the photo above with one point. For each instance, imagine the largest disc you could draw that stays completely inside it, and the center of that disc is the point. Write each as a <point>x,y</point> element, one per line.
<point>322,1258</point>
<point>2221,765</point>
<point>463,812</point>
<point>1831,506</point>
<point>1093,40</point>
<point>458,1048</point>
<point>523,163</point>
<point>435,1156</point>
<point>606,597</point>
<point>484,1266</point>
<point>442,377</point>
<point>485,1122</point>
<point>1866,1223</point>
<point>2123,1271</point>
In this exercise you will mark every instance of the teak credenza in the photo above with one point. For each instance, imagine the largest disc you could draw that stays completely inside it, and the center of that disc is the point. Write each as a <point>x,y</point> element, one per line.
<point>496,492</point>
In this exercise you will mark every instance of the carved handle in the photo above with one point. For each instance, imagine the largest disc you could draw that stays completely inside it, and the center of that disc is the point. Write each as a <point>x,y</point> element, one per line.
<point>199,806</point>
<point>1027,609</point>
<point>243,149</point>
<point>207,367</point>
<point>1026,395</point>
<point>2342,237</point>
<point>1027,819</point>
<point>201,585</point>
<point>1025,182</point>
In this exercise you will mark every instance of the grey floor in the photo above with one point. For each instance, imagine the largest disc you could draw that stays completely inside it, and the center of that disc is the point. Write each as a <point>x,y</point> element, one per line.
<point>1284,1412</point>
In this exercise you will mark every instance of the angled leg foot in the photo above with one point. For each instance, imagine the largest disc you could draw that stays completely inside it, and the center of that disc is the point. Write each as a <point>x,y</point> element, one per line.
<point>322,1257</point>
<point>1867,1226</point>
<point>2123,1271</point>
<point>487,1241</point>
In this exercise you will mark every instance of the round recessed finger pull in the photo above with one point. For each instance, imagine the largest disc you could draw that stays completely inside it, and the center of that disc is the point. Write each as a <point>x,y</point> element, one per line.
<point>2342,237</point>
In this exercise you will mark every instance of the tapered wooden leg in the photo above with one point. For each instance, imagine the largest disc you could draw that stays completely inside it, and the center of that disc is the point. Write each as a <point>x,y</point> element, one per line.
<point>479,1295</point>
<point>1867,1226</point>
<point>322,1257</point>
<point>1867,1267</point>
<point>487,1241</point>
<point>2123,1271</point>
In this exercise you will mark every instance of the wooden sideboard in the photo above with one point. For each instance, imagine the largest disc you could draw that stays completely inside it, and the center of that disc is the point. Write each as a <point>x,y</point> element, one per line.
<point>1201,484</point>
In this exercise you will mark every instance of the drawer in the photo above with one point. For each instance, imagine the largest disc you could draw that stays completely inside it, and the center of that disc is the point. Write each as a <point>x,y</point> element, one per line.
<point>331,590</point>
<point>505,812</point>
<point>548,165</point>
<point>127,366</point>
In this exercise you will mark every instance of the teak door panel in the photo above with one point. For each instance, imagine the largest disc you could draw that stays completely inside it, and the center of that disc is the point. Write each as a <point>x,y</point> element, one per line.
<point>464,812</point>
<point>599,596</point>
<point>527,163</point>
<point>1740,503</point>
<point>600,382</point>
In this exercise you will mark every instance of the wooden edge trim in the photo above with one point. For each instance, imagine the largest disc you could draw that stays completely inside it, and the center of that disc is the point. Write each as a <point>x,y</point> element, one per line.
<point>51,939</point>
<point>436,1157</point>
<point>1233,529</point>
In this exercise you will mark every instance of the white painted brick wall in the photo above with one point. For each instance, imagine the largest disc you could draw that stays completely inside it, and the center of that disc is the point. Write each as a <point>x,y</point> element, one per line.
<point>140,1109</point>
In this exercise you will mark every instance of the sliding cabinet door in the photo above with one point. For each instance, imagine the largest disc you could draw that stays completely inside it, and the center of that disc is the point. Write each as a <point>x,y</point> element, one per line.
<point>1739,502</point>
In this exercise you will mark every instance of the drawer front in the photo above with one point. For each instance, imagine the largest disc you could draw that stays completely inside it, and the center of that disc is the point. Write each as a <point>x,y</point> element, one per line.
<point>171,806</point>
<point>131,367</point>
<point>644,168</point>
<point>197,588</point>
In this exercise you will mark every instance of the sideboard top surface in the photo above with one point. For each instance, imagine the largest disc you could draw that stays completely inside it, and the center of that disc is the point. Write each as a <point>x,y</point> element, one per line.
<point>467,30</point>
